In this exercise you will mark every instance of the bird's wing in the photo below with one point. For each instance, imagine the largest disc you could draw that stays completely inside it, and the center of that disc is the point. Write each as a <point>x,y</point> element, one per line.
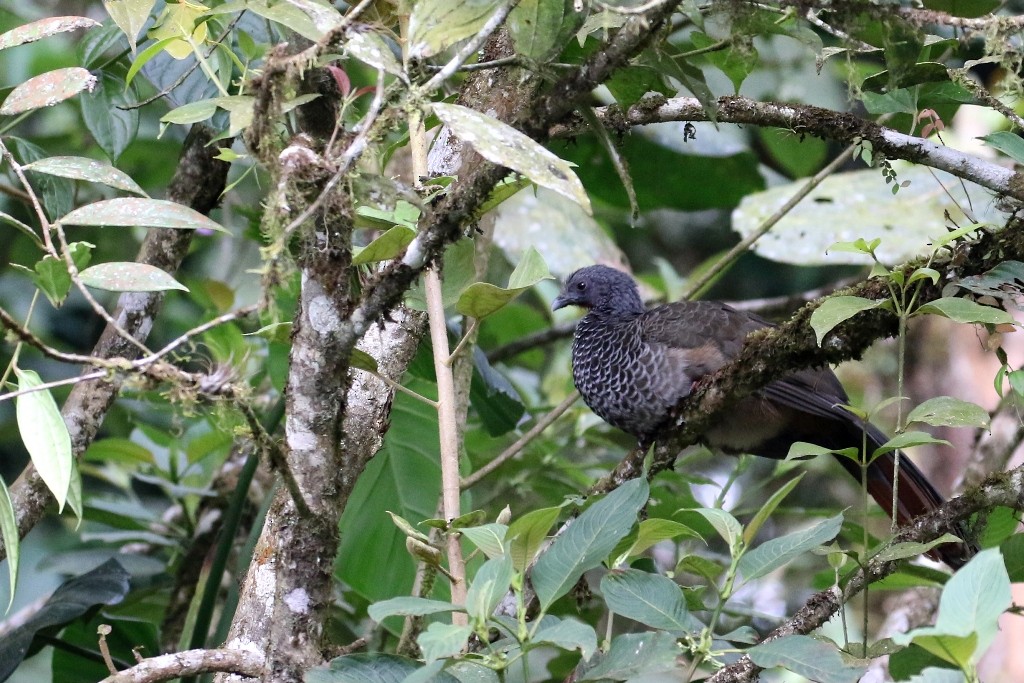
<point>704,335</point>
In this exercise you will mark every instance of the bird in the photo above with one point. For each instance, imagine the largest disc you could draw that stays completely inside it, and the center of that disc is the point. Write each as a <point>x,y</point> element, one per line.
<point>633,365</point>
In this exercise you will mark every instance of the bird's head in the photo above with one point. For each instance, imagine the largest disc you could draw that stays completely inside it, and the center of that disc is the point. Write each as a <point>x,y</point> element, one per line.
<point>600,288</point>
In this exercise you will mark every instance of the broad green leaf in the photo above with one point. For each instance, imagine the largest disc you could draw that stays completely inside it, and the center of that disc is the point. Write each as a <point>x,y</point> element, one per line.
<point>540,28</point>
<point>193,112</point>
<point>371,667</point>
<point>907,440</point>
<point>502,144</point>
<point>43,28</point>
<point>965,311</point>
<point>488,587</point>
<point>107,584</point>
<point>633,655</point>
<point>808,657</point>
<point>1008,143</point>
<point>837,309</point>
<point>443,640</point>
<point>775,553</point>
<point>762,515</point>
<point>946,411</point>
<point>569,634</point>
<point>130,16</point>
<point>129,276</point>
<point>81,168</point>
<point>963,8</point>
<point>45,435</point>
<point>387,246</point>
<point>490,538</point>
<point>527,533</point>
<point>145,56</point>
<point>651,599</point>
<point>148,213</point>
<point>110,114</point>
<point>860,203</point>
<point>47,90</point>
<point>436,25</point>
<point>481,299</point>
<point>408,606</point>
<point>969,609</point>
<point>587,541</point>
<point>9,531</point>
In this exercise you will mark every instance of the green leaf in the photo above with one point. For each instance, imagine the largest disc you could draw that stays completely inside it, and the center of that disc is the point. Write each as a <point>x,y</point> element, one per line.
<point>762,515</point>
<point>1008,143</point>
<point>836,310</point>
<point>650,599</point>
<point>37,30</point>
<point>110,114</point>
<point>481,299</point>
<point>527,533</point>
<point>587,541</point>
<point>409,606</point>
<point>965,311</point>
<point>51,274</point>
<point>969,610</point>
<point>362,360</point>
<point>129,276</point>
<point>900,551</point>
<point>568,634</point>
<point>130,16</point>
<point>371,667</point>
<point>777,552</point>
<point>540,28</point>
<point>489,538</point>
<point>387,246</point>
<point>9,532</point>
<point>946,411</point>
<point>633,655</point>
<point>148,213</point>
<point>47,90</point>
<point>443,640</point>
<point>650,532</point>
<point>963,8</point>
<point>907,440</point>
<point>724,523</point>
<point>45,435</point>
<point>436,25</point>
<point>808,657</point>
<point>107,584</point>
<point>81,168</point>
<point>489,586</point>
<point>502,144</point>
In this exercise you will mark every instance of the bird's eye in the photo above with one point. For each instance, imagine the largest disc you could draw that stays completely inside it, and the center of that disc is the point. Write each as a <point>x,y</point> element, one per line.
<point>580,286</point>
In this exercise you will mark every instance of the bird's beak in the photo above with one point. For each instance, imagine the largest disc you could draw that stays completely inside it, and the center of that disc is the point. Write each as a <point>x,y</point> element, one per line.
<point>561,301</point>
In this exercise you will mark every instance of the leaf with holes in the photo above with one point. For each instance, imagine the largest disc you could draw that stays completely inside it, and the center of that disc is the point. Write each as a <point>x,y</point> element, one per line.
<point>128,276</point>
<point>47,90</point>
<point>146,213</point>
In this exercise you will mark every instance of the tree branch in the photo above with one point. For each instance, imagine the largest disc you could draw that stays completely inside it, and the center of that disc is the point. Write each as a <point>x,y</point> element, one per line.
<point>810,120</point>
<point>190,663</point>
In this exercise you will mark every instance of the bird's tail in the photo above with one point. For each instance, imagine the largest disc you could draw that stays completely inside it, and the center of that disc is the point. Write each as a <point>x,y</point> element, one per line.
<point>916,495</point>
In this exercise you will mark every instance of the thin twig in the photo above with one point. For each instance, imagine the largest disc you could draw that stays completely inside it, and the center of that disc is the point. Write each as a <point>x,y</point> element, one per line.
<point>520,443</point>
<point>741,248</point>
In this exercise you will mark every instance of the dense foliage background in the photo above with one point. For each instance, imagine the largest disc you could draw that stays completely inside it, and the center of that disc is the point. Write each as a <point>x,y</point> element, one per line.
<point>283,396</point>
